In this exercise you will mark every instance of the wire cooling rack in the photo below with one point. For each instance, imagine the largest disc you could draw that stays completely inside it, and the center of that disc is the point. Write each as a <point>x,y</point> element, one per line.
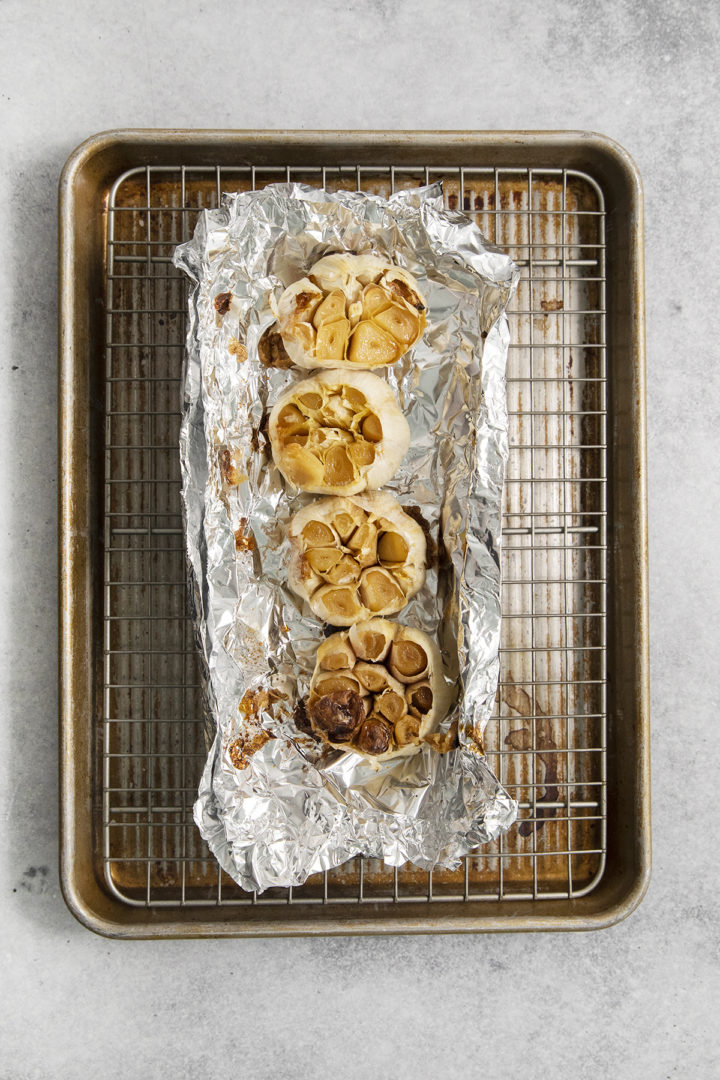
<point>547,741</point>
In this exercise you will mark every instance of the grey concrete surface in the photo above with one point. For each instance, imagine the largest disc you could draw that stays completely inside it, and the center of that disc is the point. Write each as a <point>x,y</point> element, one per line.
<point>639,1000</point>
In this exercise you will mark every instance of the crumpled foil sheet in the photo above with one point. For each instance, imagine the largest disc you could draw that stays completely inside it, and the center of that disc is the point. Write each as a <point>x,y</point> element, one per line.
<point>295,808</point>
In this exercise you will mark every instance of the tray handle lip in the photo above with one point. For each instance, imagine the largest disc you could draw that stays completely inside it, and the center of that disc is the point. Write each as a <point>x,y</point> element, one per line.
<point>110,138</point>
<point>108,927</point>
<point>86,909</point>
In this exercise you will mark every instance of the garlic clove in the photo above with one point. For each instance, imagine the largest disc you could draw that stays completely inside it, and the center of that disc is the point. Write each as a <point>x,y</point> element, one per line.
<point>375,299</point>
<point>375,677</point>
<point>361,454</point>
<point>344,571</point>
<point>408,660</point>
<point>317,534</point>
<point>335,654</point>
<point>329,682</point>
<point>302,468</point>
<point>332,339</point>
<point>401,323</point>
<point>390,704</point>
<point>372,428</point>
<point>380,592</point>
<point>371,639</point>
<point>337,604</point>
<point>331,308</point>
<point>345,525</point>
<point>371,346</point>
<point>420,698</point>
<point>363,544</point>
<point>311,401</point>
<point>407,730</point>
<point>392,549</point>
<point>374,737</point>
<point>323,560</point>
<point>337,715</point>
<point>291,420</point>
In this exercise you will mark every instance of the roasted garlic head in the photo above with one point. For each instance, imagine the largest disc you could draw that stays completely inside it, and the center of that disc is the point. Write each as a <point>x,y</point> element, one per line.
<point>353,558</point>
<point>338,433</point>
<point>355,311</point>
<point>378,689</point>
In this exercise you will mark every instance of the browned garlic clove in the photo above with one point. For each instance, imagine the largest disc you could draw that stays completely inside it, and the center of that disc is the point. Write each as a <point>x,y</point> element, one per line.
<point>336,715</point>
<point>407,730</point>
<point>419,697</point>
<point>408,660</point>
<point>374,737</point>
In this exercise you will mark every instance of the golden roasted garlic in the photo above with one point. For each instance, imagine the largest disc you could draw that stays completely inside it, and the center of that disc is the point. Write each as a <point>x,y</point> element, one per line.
<point>355,311</point>
<point>355,558</point>
<point>378,689</point>
<point>338,433</point>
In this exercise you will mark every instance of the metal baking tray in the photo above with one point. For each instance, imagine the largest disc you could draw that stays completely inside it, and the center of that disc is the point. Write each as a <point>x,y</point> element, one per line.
<point>570,736</point>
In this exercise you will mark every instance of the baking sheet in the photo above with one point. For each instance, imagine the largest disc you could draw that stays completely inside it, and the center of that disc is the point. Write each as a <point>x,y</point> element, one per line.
<point>129,682</point>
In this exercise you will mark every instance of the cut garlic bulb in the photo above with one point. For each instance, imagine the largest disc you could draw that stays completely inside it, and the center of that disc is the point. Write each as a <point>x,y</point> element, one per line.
<point>356,702</point>
<point>352,558</point>
<point>338,433</point>
<point>356,311</point>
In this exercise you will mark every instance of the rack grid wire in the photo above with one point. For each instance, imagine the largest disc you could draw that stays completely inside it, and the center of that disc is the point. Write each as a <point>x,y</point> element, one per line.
<point>547,740</point>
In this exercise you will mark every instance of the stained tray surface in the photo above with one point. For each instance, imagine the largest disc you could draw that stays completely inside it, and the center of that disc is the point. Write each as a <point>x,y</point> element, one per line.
<point>548,740</point>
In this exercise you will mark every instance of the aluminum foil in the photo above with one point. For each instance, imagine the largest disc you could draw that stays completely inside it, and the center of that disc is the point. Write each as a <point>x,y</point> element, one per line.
<point>275,810</point>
